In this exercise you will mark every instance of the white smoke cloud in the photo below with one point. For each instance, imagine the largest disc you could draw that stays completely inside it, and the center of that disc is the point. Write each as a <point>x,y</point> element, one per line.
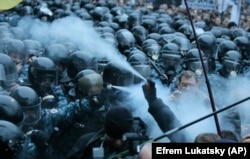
<point>75,30</point>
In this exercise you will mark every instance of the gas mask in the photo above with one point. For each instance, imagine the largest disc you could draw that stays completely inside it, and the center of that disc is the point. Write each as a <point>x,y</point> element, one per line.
<point>230,68</point>
<point>153,52</point>
<point>47,92</point>
<point>94,101</point>
<point>196,67</point>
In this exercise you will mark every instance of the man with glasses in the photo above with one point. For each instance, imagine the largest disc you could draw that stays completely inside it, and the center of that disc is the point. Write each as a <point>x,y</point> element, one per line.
<point>188,88</point>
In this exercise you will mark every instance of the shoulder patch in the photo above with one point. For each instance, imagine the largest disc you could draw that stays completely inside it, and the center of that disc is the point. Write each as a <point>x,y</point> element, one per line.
<point>53,111</point>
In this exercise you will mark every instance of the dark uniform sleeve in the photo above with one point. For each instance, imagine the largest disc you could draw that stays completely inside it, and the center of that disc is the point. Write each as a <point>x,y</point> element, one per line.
<point>79,147</point>
<point>166,120</point>
<point>230,120</point>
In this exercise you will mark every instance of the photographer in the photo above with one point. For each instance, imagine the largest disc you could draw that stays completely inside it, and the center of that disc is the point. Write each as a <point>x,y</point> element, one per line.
<point>110,140</point>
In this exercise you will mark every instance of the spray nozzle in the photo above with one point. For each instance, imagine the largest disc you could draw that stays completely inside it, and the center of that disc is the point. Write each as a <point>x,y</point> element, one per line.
<point>107,86</point>
<point>149,84</point>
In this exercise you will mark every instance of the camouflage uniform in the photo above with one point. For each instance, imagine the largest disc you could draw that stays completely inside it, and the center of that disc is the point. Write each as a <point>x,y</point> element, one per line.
<point>80,118</point>
<point>23,75</point>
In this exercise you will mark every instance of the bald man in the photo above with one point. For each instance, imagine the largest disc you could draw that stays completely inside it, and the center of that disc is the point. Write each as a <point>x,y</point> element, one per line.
<point>146,151</point>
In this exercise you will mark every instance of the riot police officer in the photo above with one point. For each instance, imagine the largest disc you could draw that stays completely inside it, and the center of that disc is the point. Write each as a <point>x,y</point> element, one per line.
<point>59,54</point>
<point>91,100</point>
<point>171,62</point>
<point>140,62</point>
<point>43,75</point>
<point>15,49</point>
<point>117,76</point>
<point>11,110</point>
<point>126,41</point>
<point>9,75</point>
<point>13,142</point>
<point>193,62</point>
<point>231,64</point>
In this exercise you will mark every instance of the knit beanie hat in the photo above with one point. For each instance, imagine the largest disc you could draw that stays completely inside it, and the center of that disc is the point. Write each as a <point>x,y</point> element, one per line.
<point>117,122</point>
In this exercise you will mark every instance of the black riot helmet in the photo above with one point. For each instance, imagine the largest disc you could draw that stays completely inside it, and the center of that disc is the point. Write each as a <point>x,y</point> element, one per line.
<point>8,71</point>
<point>117,76</point>
<point>109,38</point>
<point>87,83</point>
<point>102,24</point>
<point>117,11</point>
<point>80,60</point>
<point>18,33</point>
<point>151,48</point>
<point>186,29</point>
<point>171,57</point>
<point>237,32</point>
<point>193,63</point>
<point>133,20</point>
<point>243,45</point>
<point>3,43</point>
<point>162,25</point>
<point>58,53</point>
<point>115,26</point>
<point>108,17</point>
<point>33,47</point>
<point>224,47</point>
<point>13,143</point>
<point>154,36</point>
<point>180,22</point>
<point>166,30</point>
<point>71,47</point>
<point>207,45</point>
<point>122,20</point>
<point>10,110</point>
<point>183,43</point>
<point>97,13</point>
<point>29,102</point>
<point>88,6</point>
<point>5,32</point>
<point>149,25</point>
<point>125,39</point>
<point>139,33</point>
<point>42,70</point>
<point>140,62</point>
<point>231,64</point>
<point>15,49</point>
<point>27,11</point>
<point>166,38</point>
<point>217,32</point>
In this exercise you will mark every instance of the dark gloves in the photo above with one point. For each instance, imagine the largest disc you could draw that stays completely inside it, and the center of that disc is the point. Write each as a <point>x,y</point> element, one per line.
<point>149,91</point>
<point>39,138</point>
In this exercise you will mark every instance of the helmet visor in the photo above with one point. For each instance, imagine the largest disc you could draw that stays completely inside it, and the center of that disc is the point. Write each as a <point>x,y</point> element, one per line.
<point>32,114</point>
<point>50,75</point>
<point>2,73</point>
<point>171,60</point>
<point>154,52</point>
<point>231,66</point>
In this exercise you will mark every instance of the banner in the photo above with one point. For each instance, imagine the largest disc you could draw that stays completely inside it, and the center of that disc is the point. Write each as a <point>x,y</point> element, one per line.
<point>224,4</point>
<point>8,4</point>
<point>202,4</point>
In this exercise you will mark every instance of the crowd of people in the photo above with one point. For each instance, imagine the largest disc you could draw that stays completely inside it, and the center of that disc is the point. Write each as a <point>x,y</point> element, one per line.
<point>96,79</point>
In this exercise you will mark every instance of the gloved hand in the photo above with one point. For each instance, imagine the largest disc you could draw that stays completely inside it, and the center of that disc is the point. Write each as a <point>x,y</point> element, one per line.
<point>39,138</point>
<point>149,91</point>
